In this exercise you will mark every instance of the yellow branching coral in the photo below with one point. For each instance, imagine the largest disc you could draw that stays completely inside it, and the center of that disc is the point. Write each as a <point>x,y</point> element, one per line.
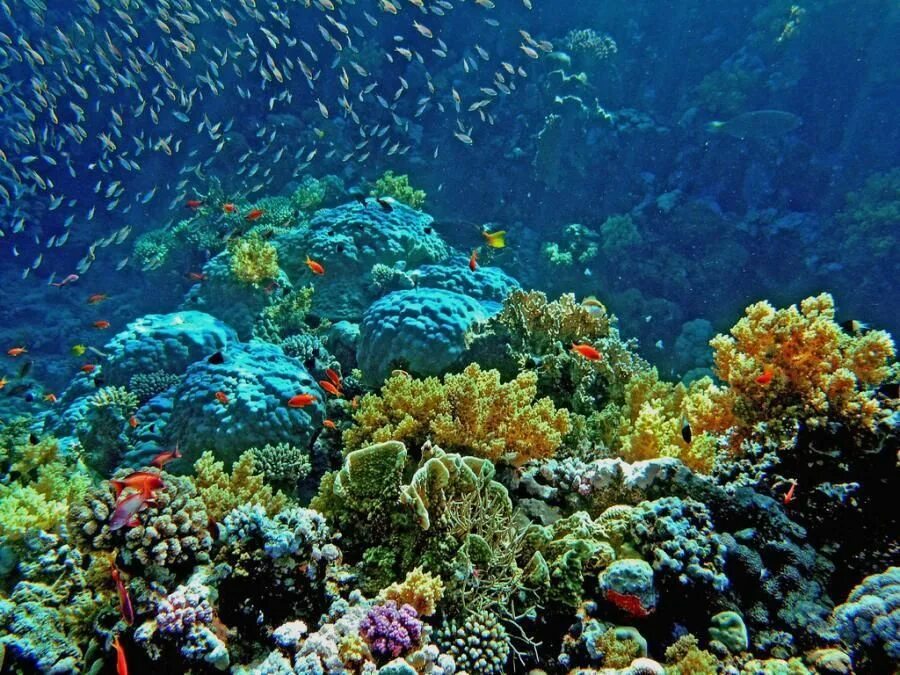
<point>422,590</point>
<point>797,363</point>
<point>253,260</point>
<point>471,412</point>
<point>222,492</point>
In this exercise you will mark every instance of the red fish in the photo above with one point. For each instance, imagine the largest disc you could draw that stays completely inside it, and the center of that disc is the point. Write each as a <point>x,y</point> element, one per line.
<point>473,260</point>
<point>765,378</point>
<point>196,276</point>
<point>17,351</point>
<point>301,400</point>
<point>101,325</point>
<point>193,204</point>
<point>72,278</point>
<point>126,511</point>
<point>587,351</point>
<point>222,397</point>
<point>97,298</point>
<point>329,424</point>
<point>333,376</point>
<point>121,663</point>
<point>133,422</point>
<point>144,482</point>
<point>255,214</point>
<point>315,267</point>
<point>330,388</point>
<point>51,398</point>
<point>165,457</point>
<point>627,603</point>
<point>789,496</point>
<point>125,605</point>
<point>229,208</point>
<point>88,368</point>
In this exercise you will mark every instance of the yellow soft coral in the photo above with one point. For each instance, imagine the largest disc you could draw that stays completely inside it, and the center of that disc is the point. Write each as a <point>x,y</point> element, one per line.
<point>253,260</point>
<point>471,412</point>
<point>419,589</point>
<point>222,492</point>
<point>818,371</point>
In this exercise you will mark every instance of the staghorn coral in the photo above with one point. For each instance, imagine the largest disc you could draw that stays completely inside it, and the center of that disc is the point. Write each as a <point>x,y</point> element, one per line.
<point>818,372</point>
<point>470,412</point>
<point>253,260</point>
<point>398,187</point>
<point>221,492</point>
<point>421,590</point>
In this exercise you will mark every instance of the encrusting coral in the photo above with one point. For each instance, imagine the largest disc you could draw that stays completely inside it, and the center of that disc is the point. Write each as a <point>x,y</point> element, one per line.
<point>470,412</point>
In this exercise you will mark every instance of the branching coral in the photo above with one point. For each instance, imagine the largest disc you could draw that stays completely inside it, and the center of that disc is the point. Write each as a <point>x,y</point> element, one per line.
<point>253,259</point>
<point>221,492</point>
<point>798,364</point>
<point>285,317</point>
<point>398,187</point>
<point>281,464</point>
<point>421,590</point>
<point>478,643</point>
<point>470,412</point>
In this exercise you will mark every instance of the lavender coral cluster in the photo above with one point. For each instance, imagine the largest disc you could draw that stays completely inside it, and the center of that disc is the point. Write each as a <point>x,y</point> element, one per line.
<point>391,631</point>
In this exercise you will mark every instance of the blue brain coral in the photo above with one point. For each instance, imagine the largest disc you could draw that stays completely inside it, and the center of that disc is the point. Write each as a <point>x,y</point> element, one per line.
<point>164,342</point>
<point>422,331</point>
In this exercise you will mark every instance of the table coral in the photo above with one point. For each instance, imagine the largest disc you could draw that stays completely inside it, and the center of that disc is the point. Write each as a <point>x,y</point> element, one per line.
<point>798,364</point>
<point>470,412</point>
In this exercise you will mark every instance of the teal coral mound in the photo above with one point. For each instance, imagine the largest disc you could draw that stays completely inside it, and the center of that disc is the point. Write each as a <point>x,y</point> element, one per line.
<point>870,619</point>
<point>484,283</point>
<point>223,295</point>
<point>255,382</point>
<point>348,241</point>
<point>421,331</point>
<point>164,342</point>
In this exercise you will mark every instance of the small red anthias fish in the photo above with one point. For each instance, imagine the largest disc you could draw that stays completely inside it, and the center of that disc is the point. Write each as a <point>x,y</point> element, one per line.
<point>587,351</point>
<point>121,663</point>
<point>133,422</point>
<point>144,482</point>
<point>473,260</point>
<point>72,278</point>
<point>315,267</point>
<point>255,214</point>
<point>790,495</point>
<point>50,398</point>
<point>229,208</point>
<point>627,603</point>
<point>17,351</point>
<point>125,605</point>
<point>193,203</point>
<point>101,325</point>
<point>301,400</point>
<point>196,276</point>
<point>765,378</point>
<point>334,377</point>
<point>329,424</point>
<point>222,397</point>
<point>127,509</point>
<point>165,457</point>
<point>97,298</point>
<point>330,388</point>
<point>88,368</point>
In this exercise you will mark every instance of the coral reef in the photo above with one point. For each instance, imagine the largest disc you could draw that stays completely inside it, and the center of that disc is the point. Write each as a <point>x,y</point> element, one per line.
<point>869,621</point>
<point>253,260</point>
<point>222,492</point>
<point>398,188</point>
<point>478,643</point>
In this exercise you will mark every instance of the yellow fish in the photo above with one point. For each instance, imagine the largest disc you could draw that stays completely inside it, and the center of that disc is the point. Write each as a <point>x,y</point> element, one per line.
<point>495,239</point>
<point>78,350</point>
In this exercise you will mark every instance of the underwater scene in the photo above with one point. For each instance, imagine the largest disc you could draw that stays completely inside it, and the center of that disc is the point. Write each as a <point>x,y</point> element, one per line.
<point>445,337</point>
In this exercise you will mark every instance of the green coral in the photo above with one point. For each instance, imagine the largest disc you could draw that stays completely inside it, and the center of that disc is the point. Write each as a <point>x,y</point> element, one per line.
<point>221,492</point>
<point>478,643</point>
<point>579,245</point>
<point>309,195</point>
<point>471,412</point>
<point>398,187</point>
<point>282,465</point>
<point>104,430</point>
<point>620,234</point>
<point>277,212</point>
<point>253,259</point>
<point>286,316</point>
<point>870,218</point>
<point>151,249</point>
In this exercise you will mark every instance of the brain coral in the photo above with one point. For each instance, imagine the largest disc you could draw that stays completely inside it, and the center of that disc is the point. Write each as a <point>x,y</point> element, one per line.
<point>349,240</point>
<point>255,382</point>
<point>422,331</point>
<point>166,342</point>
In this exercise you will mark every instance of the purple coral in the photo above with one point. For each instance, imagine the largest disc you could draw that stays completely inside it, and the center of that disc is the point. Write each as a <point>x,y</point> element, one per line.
<point>185,607</point>
<point>391,631</point>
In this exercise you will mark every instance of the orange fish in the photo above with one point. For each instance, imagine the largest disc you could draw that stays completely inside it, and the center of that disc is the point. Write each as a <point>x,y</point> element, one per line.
<point>121,663</point>
<point>145,482</point>
<point>50,398</point>
<point>330,388</point>
<point>333,376</point>
<point>789,495</point>
<point>255,214</point>
<point>229,208</point>
<point>133,422</point>
<point>587,351</point>
<point>301,400</point>
<point>329,424</point>
<point>473,260</point>
<point>196,276</point>
<point>765,378</point>
<point>315,267</point>
<point>165,457</point>
<point>101,325</point>
<point>221,397</point>
<point>4,382</point>
<point>125,605</point>
<point>97,298</point>
<point>17,351</point>
<point>88,368</point>
<point>193,203</point>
